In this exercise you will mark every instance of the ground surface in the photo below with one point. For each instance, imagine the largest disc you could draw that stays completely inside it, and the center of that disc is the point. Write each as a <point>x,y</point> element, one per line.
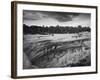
<point>57,50</point>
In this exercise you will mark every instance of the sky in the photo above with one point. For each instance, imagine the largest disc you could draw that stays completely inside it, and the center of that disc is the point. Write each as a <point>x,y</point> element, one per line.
<point>45,18</point>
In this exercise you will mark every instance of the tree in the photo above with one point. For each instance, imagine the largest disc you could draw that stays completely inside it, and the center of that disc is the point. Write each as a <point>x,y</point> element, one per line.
<point>34,29</point>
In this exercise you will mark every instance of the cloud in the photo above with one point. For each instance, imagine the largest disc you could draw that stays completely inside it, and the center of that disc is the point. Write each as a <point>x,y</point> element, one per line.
<point>31,15</point>
<point>47,18</point>
<point>59,16</point>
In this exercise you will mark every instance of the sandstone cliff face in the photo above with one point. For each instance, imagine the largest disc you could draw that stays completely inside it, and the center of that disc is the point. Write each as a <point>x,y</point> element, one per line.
<point>45,53</point>
<point>27,62</point>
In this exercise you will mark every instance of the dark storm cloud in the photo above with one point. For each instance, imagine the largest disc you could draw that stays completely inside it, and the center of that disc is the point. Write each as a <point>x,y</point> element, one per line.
<point>59,16</point>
